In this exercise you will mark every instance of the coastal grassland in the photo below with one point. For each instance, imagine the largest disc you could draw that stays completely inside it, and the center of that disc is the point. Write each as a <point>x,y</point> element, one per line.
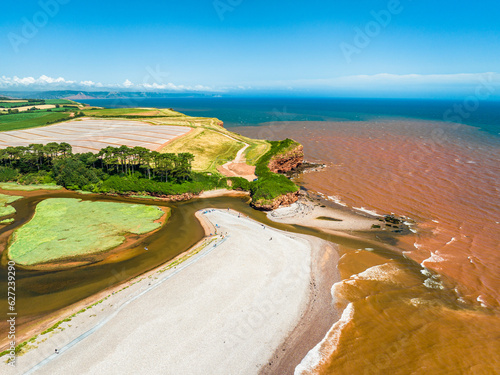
<point>271,185</point>
<point>255,151</point>
<point>5,208</point>
<point>211,144</point>
<point>132,112</point>
<point>209,147</point>
<point>65,227</point>
<point>16,186</point>
<point>62,102</point>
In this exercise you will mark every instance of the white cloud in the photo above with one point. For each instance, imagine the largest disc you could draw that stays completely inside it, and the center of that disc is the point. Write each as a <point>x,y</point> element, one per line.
<point>127,84</point>
<point>458,83</point>
<point>44,83</point>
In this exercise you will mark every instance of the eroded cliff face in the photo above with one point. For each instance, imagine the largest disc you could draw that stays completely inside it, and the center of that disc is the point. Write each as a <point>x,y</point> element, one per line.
<point>282,200</point>
<point>287,162</point>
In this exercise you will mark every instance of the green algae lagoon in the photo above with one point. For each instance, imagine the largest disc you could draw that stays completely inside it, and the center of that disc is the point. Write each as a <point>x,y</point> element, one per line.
<point>54,234</point>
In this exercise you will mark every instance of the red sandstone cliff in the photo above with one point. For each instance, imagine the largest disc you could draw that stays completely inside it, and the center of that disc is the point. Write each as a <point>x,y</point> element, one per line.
<point>288,161</point>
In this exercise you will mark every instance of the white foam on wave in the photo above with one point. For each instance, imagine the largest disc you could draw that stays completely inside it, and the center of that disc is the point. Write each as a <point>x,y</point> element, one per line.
<point>453,239</point>
<point>337,200</point>
<point>367,211</point>
<point>433,284</point>
<point>434,258</point>
<point>481,301</point>
<point>323,350</point>
<point>425,272</point>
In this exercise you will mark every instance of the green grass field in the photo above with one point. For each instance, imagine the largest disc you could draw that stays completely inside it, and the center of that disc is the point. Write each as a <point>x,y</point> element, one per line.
<point>30,120</point>
<point>60,101</point>
<point>108,112</point>
<point>18,104</point>
<point>16,186</point>
<point>64,227</point>
<point>256,150</point>
<point>5,208</point>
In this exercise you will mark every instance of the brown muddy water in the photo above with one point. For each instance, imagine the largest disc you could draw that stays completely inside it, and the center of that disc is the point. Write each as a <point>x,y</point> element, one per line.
<point>40,293</point>
<point>446,178</point>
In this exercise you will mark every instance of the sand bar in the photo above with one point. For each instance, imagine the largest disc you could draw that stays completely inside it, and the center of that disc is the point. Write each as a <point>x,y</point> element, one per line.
<point>228,310</point>
<point>312,214</point>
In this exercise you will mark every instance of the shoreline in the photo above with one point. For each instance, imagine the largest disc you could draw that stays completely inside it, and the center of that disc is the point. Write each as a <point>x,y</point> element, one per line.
<point>297,327</point>
<point>318,317</point>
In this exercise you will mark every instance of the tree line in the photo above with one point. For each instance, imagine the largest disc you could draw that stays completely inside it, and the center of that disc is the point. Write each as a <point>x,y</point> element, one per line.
<point>57,161</point>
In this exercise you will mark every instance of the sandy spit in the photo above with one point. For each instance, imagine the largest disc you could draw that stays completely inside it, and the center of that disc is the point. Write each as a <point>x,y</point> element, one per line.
<point>244,304</point>
<point>309,213</point>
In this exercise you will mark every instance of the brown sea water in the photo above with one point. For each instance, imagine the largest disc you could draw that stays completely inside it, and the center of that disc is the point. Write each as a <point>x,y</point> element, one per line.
<point>446,178</point>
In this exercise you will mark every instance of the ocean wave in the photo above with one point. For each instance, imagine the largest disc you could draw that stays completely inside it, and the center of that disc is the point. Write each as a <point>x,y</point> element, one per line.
<point>336,200</point>
<point>366,210</point>
<point>318,355</point>
<point>453,239</point>
<point>434,258</point>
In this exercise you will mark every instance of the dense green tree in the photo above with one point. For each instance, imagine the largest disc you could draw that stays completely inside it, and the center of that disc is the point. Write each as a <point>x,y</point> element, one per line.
<point>72,173</point>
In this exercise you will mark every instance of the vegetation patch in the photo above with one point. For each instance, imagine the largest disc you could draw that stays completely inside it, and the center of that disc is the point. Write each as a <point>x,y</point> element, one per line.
<point>132,112</point>
<point>63,227</point>
<point>271,185</point>
<point>5,208</point>
<point>30,113</point>
<point>255,151</point>
<point>210,148</point>
<point>26,120</point>
<point>327,218</point>
<point>16,186</point>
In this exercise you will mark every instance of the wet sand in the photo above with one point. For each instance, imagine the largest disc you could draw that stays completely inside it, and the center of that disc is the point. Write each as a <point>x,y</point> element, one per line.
<point>225,310</point>
<point>314,215</point>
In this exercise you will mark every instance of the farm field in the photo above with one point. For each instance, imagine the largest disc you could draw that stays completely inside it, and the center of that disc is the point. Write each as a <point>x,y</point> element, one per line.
<point>26,120</point>
<point>29,106</point>
<point>93,135</point>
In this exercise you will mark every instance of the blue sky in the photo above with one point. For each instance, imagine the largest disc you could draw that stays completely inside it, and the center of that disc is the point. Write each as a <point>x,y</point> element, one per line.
<point>408,48</point>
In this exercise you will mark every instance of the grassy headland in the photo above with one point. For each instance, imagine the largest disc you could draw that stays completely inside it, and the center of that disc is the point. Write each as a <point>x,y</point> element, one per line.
<point>65,227</point>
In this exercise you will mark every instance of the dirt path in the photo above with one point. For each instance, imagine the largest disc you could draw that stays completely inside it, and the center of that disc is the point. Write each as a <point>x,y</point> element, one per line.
<point>238,167</point>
